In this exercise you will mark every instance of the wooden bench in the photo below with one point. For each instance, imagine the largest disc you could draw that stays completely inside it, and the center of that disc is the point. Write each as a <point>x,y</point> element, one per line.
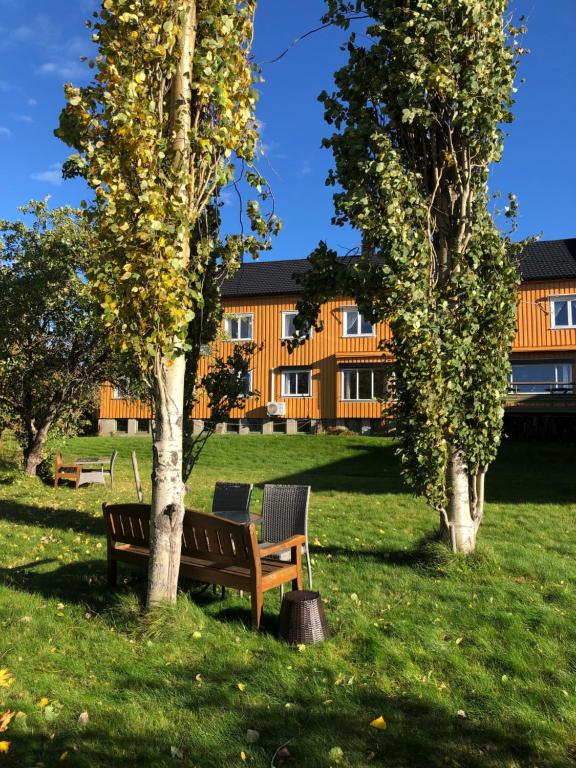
<point>214,551</point>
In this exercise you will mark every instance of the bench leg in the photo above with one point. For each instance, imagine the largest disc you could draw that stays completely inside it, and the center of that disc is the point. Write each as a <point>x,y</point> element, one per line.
<point>112,572</point>
<point>256,609</point>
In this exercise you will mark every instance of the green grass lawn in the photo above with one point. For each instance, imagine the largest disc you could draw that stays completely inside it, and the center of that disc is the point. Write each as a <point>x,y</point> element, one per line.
<point>471,662</point>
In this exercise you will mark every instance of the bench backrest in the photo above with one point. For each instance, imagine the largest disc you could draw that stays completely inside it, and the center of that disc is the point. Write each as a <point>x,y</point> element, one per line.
<point>203,536</point>
<point>128,523</point>
<point>212,538</point>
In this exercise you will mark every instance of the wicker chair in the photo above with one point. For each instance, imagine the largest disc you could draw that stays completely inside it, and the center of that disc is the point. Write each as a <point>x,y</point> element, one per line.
<point>285,514</point>
<point>110,470</point>
<point>232,497</point>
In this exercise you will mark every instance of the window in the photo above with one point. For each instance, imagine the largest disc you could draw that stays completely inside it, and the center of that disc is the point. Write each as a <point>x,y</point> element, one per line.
<point>355,324</point>
<point>296,383</point>
<point>363,383</point>
<point>143,425</point>
<point>289,329</point>
<point>247,380</point>
<point>564,312</point>
<point>119,393</point>
<point>239,327</point>
<point>122,425</point>
<point>541,378</point>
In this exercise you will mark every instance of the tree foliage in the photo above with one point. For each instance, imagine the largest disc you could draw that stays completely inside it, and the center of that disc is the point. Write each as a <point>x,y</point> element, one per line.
<point>53,352</point>
<point>147,191</point>
<point>418,114</point>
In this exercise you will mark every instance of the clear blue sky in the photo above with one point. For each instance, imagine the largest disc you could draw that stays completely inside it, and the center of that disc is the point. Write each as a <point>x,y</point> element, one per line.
<point>41,44</point>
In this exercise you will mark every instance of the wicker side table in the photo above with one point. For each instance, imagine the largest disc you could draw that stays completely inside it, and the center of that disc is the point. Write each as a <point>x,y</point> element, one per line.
<point>302,619</point>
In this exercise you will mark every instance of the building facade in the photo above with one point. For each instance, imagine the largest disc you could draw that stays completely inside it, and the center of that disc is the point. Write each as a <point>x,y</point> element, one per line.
<point>339,376</point>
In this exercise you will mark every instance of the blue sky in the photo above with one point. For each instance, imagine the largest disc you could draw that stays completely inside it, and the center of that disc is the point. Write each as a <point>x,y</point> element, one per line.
<point>41,44</point>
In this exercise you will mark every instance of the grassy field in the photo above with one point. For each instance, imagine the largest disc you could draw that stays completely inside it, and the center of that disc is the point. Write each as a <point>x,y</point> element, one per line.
<point>471,662</point>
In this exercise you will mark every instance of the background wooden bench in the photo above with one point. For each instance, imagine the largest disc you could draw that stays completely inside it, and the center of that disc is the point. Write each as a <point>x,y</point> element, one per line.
<point>214,551</point>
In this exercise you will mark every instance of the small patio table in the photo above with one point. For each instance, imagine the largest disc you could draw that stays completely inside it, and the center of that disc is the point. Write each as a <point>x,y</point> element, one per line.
<point>91,469</point>
<point>234,516</point>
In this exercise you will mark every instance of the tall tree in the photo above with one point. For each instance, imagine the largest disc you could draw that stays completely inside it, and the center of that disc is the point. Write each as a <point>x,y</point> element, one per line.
<point>53,352</point>
<point>418,113</point>
<point>157,131</point>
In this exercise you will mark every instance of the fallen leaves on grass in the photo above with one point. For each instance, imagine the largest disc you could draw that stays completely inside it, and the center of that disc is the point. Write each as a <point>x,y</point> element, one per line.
<point>462,714</point>
<point>83,718</point>
<point>6,679</point>
<point>5,719</point>
<point>336,754</point>
<point>4,746</point>
<point>241,686</point>
<point>379,723</point>
<point>43,702</point>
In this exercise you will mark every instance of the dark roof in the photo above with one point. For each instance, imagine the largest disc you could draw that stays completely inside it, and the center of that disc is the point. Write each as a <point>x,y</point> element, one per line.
<point>545,260</point>
<point>259,278</point>
<point>549,260</point>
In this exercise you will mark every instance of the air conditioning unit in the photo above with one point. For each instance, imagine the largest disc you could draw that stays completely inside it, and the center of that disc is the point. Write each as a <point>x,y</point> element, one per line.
<point>276,409</point>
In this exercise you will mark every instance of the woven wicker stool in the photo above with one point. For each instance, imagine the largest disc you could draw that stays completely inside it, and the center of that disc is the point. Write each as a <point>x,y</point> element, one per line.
<point>302,619</point>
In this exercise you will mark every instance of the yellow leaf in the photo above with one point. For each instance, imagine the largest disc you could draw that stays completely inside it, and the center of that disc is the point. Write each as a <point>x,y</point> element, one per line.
<point>379,723</point>
<point>43,702</point>
<point>458,640</point>
<point>241,686</point>
<point>5,719</point>
<point>4,746</point>
<point>243,756</point>
<point>6,679</point>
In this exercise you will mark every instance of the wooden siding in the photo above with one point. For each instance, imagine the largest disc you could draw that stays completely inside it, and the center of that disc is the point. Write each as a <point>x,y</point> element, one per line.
<point>326,352</point>
<point>535,330</point>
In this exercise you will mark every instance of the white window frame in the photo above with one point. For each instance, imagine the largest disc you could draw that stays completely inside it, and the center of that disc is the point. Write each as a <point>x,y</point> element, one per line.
<point>250,383</point>
<point>569,298</point>
<point>343,372</point>
<point>118,394</point>
<point>285,313</point>
<point>238,316</point>
<point>286,372</point>
<point>359,335</point>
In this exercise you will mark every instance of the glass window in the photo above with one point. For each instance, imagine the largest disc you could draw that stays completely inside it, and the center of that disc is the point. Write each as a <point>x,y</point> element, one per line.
<point>122,425</point>
<point>239,327</point>
<point>541,378</point>
<point>247,381</point>
<point>288,327</point>
<point>564,312</point>
<point>356,325</point>
<point>143,425</point>
<point>363,383</point>
<point>296,383</point>
<point>119,393</point>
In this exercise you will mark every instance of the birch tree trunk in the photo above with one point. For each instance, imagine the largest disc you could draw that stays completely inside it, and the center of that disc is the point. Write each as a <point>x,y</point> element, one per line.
<point>457,522</point>
<point>167,513</point>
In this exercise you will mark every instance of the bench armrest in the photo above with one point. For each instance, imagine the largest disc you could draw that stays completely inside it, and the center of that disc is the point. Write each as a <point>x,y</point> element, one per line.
<point>282,546</point>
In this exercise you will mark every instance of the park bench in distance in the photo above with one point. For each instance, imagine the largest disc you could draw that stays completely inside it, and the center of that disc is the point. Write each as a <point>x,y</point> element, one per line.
<point>214,551</point>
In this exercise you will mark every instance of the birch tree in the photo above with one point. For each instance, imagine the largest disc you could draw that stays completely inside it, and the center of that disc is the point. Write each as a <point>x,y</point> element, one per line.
<point>418,112</point>
<point>167,122</point>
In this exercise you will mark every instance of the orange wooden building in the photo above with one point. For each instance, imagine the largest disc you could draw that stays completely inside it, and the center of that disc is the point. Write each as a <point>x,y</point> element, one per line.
<point>335,378</point>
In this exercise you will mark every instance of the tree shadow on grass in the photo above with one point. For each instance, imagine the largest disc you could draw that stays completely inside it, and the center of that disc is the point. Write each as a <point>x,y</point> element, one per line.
<point>50,517</point>
<point>421,733</point>
<point>373,469</point>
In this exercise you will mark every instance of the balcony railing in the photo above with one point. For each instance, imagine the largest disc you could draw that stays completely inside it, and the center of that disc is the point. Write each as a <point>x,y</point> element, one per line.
<point>542,388</point>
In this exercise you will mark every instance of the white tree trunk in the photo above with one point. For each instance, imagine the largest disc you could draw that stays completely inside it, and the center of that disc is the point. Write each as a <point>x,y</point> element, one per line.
<point>457,522</point>
<point>167,512</point>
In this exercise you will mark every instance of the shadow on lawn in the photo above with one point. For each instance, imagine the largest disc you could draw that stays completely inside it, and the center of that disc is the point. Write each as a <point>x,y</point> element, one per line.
<point>49,517</point>
<point>420,733</point>
<point>373,470</point>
